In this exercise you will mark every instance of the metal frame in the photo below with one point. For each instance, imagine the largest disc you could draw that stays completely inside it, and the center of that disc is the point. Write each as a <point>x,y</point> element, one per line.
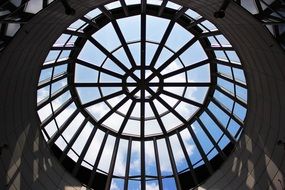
<point>143,85</point>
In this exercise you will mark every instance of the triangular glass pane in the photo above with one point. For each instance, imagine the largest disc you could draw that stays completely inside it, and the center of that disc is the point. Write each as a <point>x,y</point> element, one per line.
<point>193,54</point>
<point>120,54</point>
<point>85,74</point>
<point>132,33</point>
<point>178,37</point>
<point>107,37</point>
<point>91,54</point>
<point>154,33</point>
<point>111,66</point>
<point>87,94</point>
<point>199,74</point>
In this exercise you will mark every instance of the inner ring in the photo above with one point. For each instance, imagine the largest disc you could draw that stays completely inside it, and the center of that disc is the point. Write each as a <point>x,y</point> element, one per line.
<point>146,87</point>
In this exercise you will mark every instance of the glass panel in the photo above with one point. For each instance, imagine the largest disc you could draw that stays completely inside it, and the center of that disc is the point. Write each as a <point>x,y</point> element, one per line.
<point>165,165</point>
<point>87,54</point>
<point>154,33</point>
<point>135,165</point>
<point>220,115</point>
<point>94,147</point>
<point>33,6</point>
<point>193,54</point>
<point>85,74</point>
<point>178,37</point>
<point>178,154</point>
<point>117,184</point>
<point>82,138</point>
<point>211,126</point>
<point>120,164</point>
<point>199,74</point>
<point>131,33</point>
<point>73,127</point>
<point>240,111</point>
<point>202,137</point>
<point>106,156</point>
<point>169,183</point>
<point>45,112</point>
<point>190,146</point>
<point>107,37</point>
<point>150,162</point>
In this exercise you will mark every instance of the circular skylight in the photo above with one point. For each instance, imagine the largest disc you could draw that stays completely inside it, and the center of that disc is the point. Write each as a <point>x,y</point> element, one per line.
<point>142,95</point>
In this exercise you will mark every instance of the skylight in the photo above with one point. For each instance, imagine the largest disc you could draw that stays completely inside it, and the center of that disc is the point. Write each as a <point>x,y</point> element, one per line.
<point>142,96</point>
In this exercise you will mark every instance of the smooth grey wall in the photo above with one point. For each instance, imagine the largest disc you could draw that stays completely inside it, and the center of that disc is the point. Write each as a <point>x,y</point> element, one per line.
<point>257,162</point>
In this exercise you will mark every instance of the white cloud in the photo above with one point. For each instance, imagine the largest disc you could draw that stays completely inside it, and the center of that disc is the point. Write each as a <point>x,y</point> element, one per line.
<point>114,186</point>
<point>152,186</point>
<point>99,110</point>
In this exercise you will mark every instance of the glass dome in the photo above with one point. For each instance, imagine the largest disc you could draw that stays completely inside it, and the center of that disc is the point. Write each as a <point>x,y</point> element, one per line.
<point>142,95</point>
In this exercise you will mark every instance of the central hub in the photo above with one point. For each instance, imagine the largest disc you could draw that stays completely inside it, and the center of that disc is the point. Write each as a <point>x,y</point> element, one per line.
<point>140,82</point>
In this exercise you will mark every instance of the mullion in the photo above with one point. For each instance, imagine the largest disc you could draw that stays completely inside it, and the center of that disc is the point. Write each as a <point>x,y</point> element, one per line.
<point>142,100</point>
<point>128,164</point>
<point>228,112</point>
<point>84,151</point>
<point>259,7</point>
<point>73,139</point>
<point>112,164</point>
<point>94,84</point>
<point>195,22</point>
<point>162,43</point>
<point>64,48</point>
<point>220,125</point>
<point>226,63</point>
<point>125,8</point>
<point>187,158</point>
<point>105,98</point>
<point>230,95</point>
<point>90,22</point>
<point>119,34</point>
<point>166,35</point>
<point>63,127</point>
<point>143,182</point>
<point>172,162</point>
<point>185,69</point>
<point>200,149</point>
<point>55,95</point>
<point>228,78</point>
<point>157,163</point>
<point>49,81</point>
<point>113,58</point>
<point>192,102</point>
<point>114,109</point>
<point>186,84</point>
<point>162,7</point>
<point>210,33</point>
<point>57,112</point>
<point>177,54</point>
<point>123,42</point>
<point>58,63</point>
<point>91,66</point>
<point>211,138</point>
<point>178,84</point>
<point>143,34</point>
<point>165,104</point>
<point>158,117</point>
<point>224,48</point>
<point>90,183</point>
<point>75,33</point>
